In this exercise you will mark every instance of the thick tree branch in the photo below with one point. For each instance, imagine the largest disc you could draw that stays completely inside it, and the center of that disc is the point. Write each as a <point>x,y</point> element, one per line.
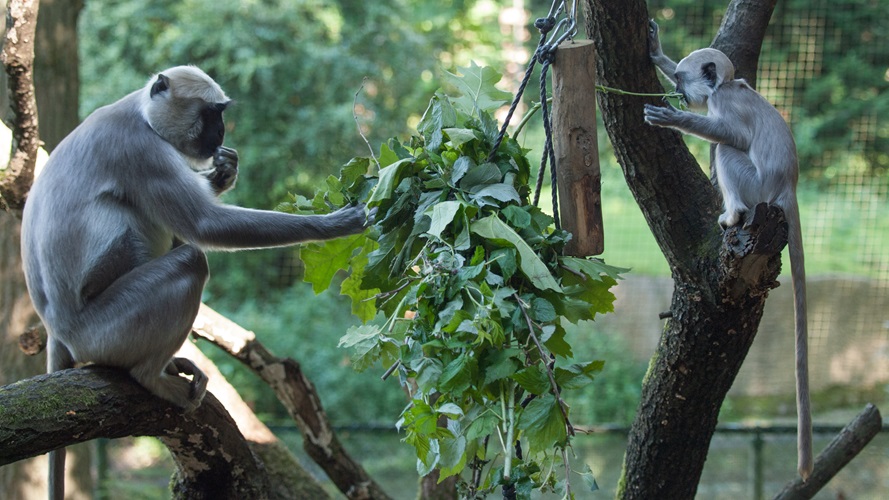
<point>741,34</point>
<point>18,59</point>
<point>298,396</point>
<point>72,406</point>
<point>844,447</point>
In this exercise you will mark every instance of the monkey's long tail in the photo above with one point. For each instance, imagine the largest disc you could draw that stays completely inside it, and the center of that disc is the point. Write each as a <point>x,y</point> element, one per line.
<point>803,406</point>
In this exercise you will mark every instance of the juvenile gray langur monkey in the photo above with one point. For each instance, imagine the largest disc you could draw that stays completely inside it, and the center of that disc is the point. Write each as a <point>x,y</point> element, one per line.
<point>756,162</point>
<point>115,228</point>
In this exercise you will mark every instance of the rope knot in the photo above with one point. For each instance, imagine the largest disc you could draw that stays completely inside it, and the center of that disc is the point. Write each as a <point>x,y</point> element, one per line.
<point>545,24</point>
<point>546,54</point>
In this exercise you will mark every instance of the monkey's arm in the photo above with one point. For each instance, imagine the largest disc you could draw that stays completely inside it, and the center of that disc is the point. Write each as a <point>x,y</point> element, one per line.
<point>705,127</point>
<point>176,198</point>
<point>664,63</point>
<point>224,173</point>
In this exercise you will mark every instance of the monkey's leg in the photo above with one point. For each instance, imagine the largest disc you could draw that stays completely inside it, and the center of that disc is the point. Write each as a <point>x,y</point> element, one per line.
<point>738,181</point>
<point>143,318</point>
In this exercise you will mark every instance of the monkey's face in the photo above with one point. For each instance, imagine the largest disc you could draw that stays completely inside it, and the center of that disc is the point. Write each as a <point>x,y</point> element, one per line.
<point>700,74</point>
<point>185,108</point>
<point>212,132</point>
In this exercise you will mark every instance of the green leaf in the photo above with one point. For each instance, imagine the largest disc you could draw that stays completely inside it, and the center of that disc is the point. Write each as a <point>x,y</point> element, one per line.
<point>542,310</point>
<point>390,176</point>
<point>585,297</point>
<point>387,156</point>
<point>542,423</point>
<point>428,371</point>
<point>589,479</point>
<point>460,136</point>
<point>452,457</point>
<point>439,115</point>
<point>461,166</point>
<point>506,260</point>
<point>365,342</point>
<point>363,306</point>
<point>324,260</point>
<point>459,374</point>
<point>532,267</point>
<point>442,214</point>
<point>577,375</point>
<point>557,345</point>
<point>500,364</point>
<point>500,192</point>
<point>533,379</point>
<point>593,267</point>
<point>481,175</point>
<point>477,88</point>
<point>452,410</point>
<point>482,426</point>
<point>516,216</point>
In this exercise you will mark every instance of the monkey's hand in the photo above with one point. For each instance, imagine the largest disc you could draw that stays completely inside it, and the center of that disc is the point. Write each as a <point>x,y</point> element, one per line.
<point>654,42</point>
<point>225,170</point>
<point>351,220</point>
<point>661,116</point>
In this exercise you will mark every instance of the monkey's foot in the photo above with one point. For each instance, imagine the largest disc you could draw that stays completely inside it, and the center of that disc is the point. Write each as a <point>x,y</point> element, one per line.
<point>198,380</point>
<point>730,218</point>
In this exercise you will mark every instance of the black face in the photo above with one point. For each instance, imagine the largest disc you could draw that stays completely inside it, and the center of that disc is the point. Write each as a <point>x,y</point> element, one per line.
<point>213,132</point>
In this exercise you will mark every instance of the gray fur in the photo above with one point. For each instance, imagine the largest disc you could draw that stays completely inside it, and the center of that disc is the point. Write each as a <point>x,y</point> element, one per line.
<point>756,162</point>
<point>115,228</point>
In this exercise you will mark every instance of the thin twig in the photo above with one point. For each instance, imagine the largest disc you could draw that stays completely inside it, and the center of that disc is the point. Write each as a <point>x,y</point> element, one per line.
<point>549,372</point>
<point>358,124</point>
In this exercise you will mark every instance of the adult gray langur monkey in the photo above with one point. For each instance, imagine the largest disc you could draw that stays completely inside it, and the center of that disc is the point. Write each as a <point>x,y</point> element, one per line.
<point>115,228</point>
<point>756,162</point>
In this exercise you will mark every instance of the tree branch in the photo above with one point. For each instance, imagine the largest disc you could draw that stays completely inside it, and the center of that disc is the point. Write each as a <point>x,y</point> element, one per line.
<point>844,447</point>
<point>741,35</point>
<point>298,396</point>
<point>54,410</point>
<point>18,59</point>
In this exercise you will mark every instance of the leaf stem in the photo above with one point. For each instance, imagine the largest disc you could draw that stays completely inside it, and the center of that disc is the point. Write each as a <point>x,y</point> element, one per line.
<point>601,88</point>
<point>567,472</point>
<point>510,430</point>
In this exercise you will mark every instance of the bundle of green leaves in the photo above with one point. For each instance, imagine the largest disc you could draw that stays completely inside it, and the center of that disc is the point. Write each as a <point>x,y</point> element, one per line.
<point>472,288</point>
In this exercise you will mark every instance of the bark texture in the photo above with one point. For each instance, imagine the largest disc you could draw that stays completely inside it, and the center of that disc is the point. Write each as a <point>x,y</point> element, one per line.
<point>18,60</point>
<point>72,406</point>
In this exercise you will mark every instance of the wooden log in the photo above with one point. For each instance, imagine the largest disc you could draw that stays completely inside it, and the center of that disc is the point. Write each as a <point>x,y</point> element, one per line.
<point>576,147</point>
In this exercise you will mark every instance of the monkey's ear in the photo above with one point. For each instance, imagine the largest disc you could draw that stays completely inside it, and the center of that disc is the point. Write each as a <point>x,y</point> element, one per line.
<point>708,71</point>
<point>222,106</point>
<point>160,85</point>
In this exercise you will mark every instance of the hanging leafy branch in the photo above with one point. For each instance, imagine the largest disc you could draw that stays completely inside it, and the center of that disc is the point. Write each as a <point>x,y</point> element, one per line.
<point>473,288</point>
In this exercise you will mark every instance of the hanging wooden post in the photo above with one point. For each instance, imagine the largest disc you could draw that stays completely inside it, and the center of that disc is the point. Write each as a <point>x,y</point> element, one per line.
<point>576,147</point>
